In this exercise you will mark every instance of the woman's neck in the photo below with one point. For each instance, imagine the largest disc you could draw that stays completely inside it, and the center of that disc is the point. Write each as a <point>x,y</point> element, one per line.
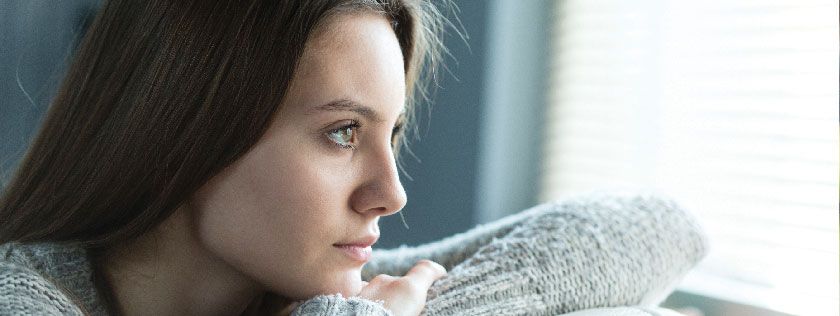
<point>167,272</point>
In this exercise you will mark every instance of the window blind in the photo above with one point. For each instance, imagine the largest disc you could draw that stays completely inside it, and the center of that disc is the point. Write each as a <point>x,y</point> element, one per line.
<point>730,107</point>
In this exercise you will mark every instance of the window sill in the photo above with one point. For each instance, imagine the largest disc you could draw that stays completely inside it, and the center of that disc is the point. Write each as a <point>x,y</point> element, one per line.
<point>716,295</point>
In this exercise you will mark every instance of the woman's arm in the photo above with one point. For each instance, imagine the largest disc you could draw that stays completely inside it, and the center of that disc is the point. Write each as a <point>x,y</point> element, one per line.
<point>583,252</point>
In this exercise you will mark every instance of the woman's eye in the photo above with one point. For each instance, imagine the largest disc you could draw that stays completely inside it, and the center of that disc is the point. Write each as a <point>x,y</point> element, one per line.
<point>344,136</point>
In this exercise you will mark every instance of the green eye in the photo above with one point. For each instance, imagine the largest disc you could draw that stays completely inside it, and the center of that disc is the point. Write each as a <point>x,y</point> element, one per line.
<point>344,136</point>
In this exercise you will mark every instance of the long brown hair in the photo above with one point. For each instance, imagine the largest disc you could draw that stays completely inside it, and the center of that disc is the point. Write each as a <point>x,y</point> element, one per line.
<point>164,94</point>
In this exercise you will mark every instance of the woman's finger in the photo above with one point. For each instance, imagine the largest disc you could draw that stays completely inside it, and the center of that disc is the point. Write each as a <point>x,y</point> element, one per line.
<point>426,272</point>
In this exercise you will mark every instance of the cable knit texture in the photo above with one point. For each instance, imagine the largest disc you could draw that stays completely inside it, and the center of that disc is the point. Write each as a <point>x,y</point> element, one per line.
<point>336,305</point>
<point>584,252</point>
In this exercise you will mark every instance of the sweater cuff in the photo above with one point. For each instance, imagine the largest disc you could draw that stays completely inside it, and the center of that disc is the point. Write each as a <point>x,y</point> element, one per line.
<point>336,304</point>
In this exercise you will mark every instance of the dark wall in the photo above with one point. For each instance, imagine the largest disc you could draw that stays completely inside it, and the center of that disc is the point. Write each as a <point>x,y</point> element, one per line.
<point>441,188</point>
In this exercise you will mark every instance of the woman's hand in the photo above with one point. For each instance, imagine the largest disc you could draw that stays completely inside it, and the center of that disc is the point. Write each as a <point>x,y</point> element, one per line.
<point>404,296</point>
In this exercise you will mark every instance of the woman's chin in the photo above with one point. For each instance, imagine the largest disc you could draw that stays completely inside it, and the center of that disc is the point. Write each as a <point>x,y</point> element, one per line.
<point>348,283</point>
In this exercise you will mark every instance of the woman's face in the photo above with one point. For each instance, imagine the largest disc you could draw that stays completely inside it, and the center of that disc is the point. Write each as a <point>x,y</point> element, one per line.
<point>322,174</point>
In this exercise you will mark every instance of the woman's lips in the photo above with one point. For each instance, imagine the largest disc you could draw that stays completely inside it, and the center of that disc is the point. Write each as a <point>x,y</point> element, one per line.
<point>359,253</point>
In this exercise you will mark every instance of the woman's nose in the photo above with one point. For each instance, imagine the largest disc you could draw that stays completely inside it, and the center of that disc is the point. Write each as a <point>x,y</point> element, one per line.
<point>381,193</point>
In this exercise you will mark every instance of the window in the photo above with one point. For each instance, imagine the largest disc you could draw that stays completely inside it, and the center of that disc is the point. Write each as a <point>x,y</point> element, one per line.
<point>730,107</point>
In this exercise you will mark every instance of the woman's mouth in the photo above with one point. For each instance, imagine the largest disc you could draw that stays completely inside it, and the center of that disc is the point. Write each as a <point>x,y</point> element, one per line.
<point>358,253</point>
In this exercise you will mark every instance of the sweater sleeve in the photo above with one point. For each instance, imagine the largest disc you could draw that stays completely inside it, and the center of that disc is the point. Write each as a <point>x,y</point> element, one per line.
<point>583,252</point>
<point>25,292</point>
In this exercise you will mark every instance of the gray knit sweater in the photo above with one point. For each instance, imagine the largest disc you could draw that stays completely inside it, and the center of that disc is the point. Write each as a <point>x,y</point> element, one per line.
<point>579,253</point>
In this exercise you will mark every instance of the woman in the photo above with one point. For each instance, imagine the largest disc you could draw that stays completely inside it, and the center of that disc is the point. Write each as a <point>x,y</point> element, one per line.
<point>227,158</point>
<point>229,149</point>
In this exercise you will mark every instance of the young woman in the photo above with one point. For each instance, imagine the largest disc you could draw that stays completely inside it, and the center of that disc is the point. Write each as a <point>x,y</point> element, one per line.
<point>206,152</point>
<point>233,158</point>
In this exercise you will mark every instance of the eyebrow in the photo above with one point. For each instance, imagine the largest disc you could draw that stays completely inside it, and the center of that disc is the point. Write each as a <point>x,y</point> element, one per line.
<point>347,105</point>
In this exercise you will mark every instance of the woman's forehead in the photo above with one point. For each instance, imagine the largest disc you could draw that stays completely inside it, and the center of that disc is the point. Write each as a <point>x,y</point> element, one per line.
<point>344,36</point>
<point>359,60</point>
